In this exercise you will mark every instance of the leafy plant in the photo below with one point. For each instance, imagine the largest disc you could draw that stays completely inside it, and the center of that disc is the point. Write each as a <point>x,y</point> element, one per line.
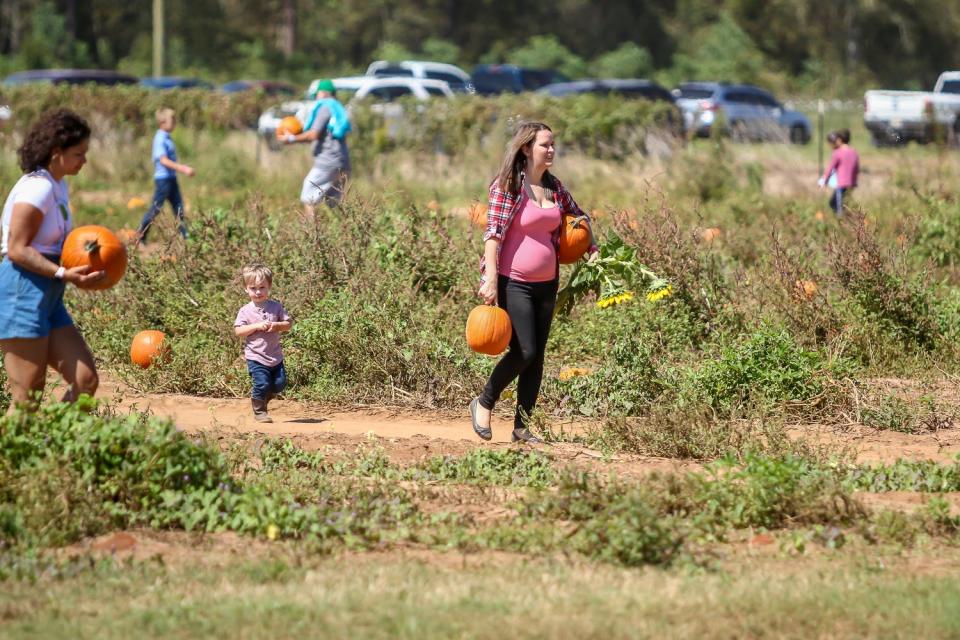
<point>614,274</point>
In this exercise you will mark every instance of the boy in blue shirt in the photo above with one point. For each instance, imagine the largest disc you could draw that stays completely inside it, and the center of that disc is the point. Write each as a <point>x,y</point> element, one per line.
<point>165,172</point>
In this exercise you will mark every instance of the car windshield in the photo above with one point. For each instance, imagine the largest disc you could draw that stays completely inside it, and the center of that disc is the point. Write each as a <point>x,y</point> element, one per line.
<point>950,86</point>
<point>387,72</point>
<point>695,93</point>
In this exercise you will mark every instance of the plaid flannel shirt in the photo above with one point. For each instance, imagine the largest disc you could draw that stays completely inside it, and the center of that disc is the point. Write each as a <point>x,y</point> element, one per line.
<point>503,207</point>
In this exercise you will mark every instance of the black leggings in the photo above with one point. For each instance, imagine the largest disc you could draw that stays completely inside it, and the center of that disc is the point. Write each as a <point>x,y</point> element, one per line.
<point>530,307</point>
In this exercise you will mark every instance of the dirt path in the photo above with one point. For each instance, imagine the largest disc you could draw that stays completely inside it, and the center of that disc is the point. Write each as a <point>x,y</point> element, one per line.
<point>291,418</point>
<point>406,434</point>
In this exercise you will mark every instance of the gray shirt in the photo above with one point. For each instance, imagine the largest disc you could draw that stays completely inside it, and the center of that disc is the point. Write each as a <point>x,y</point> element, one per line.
<point>328,152</point>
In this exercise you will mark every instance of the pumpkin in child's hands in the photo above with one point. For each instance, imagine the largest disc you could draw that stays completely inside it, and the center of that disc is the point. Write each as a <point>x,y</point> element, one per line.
<point>488,329</point>
<point>147,347</point>
<point>574,239</point>
<point>98,248</point>
<point>290,125</point>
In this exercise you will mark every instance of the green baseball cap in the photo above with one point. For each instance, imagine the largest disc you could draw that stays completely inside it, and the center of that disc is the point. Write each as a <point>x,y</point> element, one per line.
<point>326,85</point>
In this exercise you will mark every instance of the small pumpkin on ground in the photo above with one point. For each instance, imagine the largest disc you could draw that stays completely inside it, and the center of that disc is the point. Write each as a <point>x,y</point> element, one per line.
<point>710,234</point>
<point>488,329</point>
<point>98,248</point>
<point>478,214</point>
<point>806,289</point>
<point>147,347</point>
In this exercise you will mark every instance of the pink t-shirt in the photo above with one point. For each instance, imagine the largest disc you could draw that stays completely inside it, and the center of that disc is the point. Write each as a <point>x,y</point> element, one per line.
<point>261,346</point>
<point>846,162</point>
<point>528,253</point>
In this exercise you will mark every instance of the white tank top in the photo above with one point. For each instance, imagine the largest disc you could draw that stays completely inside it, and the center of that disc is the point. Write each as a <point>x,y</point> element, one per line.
<point>40,190</point>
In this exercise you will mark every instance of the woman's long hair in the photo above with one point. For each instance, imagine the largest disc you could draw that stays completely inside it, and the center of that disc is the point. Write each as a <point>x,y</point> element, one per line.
<point>514,162</point>
<point>58,129</point>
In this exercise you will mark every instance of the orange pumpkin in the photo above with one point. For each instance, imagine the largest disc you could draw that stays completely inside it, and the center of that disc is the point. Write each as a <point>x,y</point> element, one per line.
<point>805,289</point>
<point>148,346</point>
<point>128,236</point>
<point>98,248</point>
<point>290,125</point>
<point>574,239</point>
<point>478,214</point>
<point>488,329</point>
<point>710,234</point>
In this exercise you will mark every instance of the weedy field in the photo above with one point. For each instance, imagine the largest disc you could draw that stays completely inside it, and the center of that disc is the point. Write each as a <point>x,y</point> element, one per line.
<point>752,405</point>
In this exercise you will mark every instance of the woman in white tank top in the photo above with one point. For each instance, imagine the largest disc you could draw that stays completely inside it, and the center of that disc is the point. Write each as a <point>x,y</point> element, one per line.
<point>35,327</point>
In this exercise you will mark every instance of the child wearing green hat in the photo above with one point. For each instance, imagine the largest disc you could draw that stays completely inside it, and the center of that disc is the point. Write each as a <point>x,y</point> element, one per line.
<point>327,126</point>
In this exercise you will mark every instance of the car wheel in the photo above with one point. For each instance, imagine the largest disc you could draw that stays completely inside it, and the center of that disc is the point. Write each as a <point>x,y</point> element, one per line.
<point>799,134</point>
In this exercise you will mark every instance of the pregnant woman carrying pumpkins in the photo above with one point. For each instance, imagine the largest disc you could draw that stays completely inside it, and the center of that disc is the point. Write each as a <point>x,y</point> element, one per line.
<point>528,214</point>
<point>36,330</point>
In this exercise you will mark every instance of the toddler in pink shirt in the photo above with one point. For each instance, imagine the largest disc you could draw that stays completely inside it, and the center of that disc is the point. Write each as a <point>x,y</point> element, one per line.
<point>260,322</point>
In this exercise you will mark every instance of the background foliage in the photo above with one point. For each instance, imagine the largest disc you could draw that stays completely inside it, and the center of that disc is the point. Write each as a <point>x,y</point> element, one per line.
<point>788,44</point>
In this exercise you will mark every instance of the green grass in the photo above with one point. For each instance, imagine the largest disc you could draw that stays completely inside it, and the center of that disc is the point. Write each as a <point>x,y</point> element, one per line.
<point>874,595</point>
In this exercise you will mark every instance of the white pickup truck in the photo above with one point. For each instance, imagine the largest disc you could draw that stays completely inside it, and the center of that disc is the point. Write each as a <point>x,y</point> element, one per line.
<point>896,117</point>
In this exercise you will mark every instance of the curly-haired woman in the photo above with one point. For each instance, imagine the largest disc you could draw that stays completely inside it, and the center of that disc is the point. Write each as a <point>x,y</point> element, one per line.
<point>521,269</point>
<point>36,330</point>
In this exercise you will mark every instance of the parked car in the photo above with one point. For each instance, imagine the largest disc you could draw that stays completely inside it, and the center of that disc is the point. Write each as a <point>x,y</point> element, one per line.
<point>632,89</point>
<point>269,87</point>
<point>175,82</point>
<point>896,117</point>
<point>491,79</point>
<point>457,78</point>
<point>747,111</point>
<point>70,76</point>
<point>640,89</point>
<point>350,90</point>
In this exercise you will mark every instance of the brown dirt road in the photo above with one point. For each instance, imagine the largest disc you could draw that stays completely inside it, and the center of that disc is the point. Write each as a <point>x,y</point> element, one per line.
<point>404,431</point>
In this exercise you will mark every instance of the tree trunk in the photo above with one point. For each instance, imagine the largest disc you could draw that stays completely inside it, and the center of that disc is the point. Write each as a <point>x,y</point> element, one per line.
<point>288,36</point>
<point>70,13</point>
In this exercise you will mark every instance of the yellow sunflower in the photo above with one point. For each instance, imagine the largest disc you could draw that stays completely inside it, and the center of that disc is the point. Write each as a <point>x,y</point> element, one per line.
<point>659,294</point>
<point>625,296</point>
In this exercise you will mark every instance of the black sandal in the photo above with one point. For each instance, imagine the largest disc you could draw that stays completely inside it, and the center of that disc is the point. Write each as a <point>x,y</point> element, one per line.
<point>484,432</point>
<point>525,435</point>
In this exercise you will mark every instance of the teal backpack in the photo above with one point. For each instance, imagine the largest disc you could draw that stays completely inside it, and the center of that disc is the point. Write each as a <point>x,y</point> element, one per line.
<point>339,124</point>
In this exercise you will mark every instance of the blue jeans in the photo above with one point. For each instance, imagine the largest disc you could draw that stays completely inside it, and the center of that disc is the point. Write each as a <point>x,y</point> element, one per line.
<point>267,381</point>
<point>165,189</point>
<point>836,200</point>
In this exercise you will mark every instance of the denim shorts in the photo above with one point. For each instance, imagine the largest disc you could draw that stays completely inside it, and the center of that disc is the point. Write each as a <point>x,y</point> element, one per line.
<point>31,305</point>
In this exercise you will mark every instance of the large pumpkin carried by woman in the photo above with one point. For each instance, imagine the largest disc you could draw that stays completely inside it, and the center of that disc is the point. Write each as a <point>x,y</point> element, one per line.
<point>147,347</point>
<point>574,239</point>
<point>98,248</point>
<point>488,330</point>
<point>290,125</point>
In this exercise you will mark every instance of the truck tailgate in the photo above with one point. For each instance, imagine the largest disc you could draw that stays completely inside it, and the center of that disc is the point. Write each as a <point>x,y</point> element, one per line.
<point>896,106</point>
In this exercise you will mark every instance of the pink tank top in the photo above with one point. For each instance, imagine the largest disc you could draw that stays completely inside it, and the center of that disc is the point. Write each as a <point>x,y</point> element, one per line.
<point>528,253</point>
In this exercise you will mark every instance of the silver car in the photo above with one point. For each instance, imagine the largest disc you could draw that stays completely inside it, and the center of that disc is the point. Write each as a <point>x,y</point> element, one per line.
<point>745,111</point>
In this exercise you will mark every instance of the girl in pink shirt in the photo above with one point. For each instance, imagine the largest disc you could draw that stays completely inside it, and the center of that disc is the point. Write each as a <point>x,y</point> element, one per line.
<point>845,164</point>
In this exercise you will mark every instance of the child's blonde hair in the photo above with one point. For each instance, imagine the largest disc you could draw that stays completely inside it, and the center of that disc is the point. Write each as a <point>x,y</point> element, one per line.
<point>256,271</point>
<point>164,115</point>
